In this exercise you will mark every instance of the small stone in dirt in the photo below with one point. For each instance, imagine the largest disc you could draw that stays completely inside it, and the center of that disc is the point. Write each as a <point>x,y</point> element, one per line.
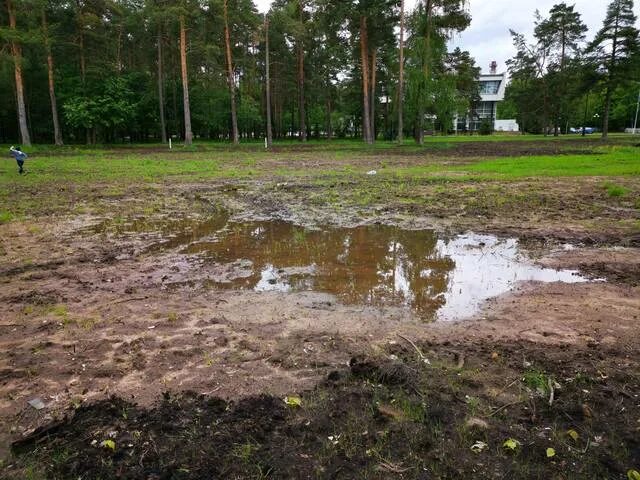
<point>37,403</point>
<point>476,424</point>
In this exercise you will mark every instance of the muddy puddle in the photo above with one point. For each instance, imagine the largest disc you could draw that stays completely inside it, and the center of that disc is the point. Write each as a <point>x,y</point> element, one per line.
<point>436,278</point>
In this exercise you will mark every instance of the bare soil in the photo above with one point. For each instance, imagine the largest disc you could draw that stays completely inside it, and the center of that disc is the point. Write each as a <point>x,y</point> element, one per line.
<point>124,342</point>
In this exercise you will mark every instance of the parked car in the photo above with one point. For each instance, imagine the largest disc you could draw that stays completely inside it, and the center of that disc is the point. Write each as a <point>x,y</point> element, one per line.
<point>587,130</point>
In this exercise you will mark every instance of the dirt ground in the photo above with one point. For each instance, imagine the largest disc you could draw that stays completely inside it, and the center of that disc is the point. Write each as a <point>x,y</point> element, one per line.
<point>123,339</point>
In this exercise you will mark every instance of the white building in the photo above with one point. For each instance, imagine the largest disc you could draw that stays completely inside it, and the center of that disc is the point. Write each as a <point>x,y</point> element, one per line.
<point>492,90</point>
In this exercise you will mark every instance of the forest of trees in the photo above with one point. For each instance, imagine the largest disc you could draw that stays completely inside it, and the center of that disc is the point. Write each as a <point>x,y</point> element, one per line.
<point>101,71</point>
<point>559,80</point>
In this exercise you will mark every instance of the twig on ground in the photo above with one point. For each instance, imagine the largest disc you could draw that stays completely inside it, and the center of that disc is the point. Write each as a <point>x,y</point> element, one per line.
<point>393,468</point>
<point>417,349</point>
<point>503,407</point>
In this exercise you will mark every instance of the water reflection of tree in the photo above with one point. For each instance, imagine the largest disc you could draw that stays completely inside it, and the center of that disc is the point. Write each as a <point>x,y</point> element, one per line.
<point>378,265</point>
<point>402,267</point>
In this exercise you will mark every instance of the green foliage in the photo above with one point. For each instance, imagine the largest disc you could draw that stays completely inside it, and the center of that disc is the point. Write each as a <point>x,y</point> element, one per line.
<point>114,107</point>
<point>511,444</point>
<point>486,127</point>
<point>536,380</point>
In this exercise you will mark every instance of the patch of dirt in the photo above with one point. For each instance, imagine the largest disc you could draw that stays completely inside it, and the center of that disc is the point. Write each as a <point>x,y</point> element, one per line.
<point>381,418</point>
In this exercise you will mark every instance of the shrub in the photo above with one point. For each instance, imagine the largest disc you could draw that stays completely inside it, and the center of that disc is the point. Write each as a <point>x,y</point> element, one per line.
<point>486,127</point>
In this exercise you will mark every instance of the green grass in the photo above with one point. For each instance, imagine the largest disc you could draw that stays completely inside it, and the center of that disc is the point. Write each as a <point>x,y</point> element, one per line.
<point>615,191</point>
<point>81,180</point>
<point>616,161</point>
<point>103,167</point>
<point>5,217</point>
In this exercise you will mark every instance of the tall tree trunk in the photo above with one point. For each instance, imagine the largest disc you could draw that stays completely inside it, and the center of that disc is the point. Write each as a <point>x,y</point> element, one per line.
<point>584,121</point>
<point>612,65</point>
<point>163,122</point>
<point>268,83</point>
<point>364,49</point>
<point>232,86</point>
<point>556,126</point>
<point>188,134</point>
<point>16,51</point>
<point>57,134</point>
<point>83,64</point>
<point>419,132</point>
<point>119,50</point>
<point>401,77</point>
<point>607,110</point>
<point>301,97</point>
<point>329,126</point>
<point>372,98</point>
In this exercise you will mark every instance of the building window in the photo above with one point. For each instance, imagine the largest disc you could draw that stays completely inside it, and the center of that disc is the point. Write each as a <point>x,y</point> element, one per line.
<point>489,87</point>
<point>485,110</point>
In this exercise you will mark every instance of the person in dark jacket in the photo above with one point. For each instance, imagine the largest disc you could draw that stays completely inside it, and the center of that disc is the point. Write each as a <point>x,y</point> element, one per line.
<point>20,157</point>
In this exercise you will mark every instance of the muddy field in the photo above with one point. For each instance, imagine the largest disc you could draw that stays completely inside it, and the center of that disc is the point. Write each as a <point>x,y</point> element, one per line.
<point>418,325</point>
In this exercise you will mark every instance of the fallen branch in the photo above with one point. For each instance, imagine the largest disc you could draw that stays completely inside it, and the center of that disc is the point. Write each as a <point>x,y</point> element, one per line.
<point>503,407</point>
<point>551,391</point>
<point>393,468</point>
<point>417,349</point>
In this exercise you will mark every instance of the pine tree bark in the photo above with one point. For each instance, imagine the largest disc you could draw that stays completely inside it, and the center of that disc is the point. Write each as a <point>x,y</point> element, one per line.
<point>419,131</point>
<point>329,125</point>
<point>16,51</point>
<point>372,97</point>
<point>188,134</point>
<point>163,121</point>
<point>364,48</point>
<point>401,78</point>
<point>301,97</point>
<point>230,78</point>
<point>83,64</point>
<point>612,65</point>
<point>268,83</point>
<point>57,133</point>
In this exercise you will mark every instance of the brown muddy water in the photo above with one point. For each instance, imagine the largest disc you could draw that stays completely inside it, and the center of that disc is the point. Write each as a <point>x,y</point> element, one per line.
<point>434,277</point>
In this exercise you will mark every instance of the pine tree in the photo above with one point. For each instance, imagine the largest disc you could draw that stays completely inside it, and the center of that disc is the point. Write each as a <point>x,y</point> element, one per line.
<point>613,50</point>
<point>16,52</point>
<point>562,34</point>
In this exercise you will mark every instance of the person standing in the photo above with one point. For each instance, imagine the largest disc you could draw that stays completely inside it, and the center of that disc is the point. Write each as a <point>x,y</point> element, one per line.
<point>20,157</point>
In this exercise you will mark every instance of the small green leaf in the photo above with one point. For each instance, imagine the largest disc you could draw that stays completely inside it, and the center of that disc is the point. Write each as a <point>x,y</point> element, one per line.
<point>573,434</point>
<point>109,444</point>
<point>293,401</point>
<point>633,475</point>
<point>551,452</point>
<point>511,444</point>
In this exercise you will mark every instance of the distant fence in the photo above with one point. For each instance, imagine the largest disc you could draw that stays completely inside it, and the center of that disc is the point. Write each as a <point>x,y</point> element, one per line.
<point>631,130</point>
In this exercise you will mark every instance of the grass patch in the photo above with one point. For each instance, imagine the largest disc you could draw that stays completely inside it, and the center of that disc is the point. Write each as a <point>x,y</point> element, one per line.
<point>615,191</point>
<point>5,217</point>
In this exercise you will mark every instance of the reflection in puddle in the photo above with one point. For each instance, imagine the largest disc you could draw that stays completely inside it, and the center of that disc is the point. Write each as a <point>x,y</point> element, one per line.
<point>436,278</point>
<point>374,265</point>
